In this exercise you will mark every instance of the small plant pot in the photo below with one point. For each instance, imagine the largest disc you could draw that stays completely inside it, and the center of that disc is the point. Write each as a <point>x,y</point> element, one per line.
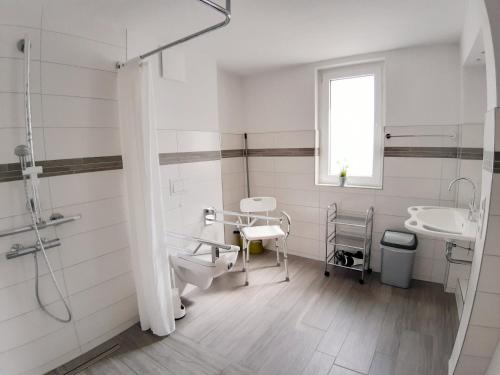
<point>342,181</point>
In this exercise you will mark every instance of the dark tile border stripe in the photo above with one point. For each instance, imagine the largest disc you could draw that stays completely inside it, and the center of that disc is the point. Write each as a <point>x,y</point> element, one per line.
<point>12,171</point>
<point>188,157</point>
<point>268,152</point>
<point>422,152</point>
<point>232,153</point>
<point>408,152</point>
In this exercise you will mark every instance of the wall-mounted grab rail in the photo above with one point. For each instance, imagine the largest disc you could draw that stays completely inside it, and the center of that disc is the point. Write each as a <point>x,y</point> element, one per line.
<point>389,136</point>
<point>42,225</point>
<point>227,18</point>
<point>210,215</point>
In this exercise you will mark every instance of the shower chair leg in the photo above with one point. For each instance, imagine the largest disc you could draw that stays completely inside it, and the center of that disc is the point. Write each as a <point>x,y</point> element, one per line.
<point>243,257</point>
<point>276,246</point>
<point>285,257</point>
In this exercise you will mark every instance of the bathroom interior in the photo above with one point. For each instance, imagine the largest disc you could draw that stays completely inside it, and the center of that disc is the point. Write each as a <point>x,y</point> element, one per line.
<point>249,187</point>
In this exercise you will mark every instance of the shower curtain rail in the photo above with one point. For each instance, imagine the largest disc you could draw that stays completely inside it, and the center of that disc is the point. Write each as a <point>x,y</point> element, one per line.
<point>224,11</point>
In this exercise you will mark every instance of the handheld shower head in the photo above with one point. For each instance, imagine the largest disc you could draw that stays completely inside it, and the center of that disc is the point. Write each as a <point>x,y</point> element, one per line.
<point>21,151</point>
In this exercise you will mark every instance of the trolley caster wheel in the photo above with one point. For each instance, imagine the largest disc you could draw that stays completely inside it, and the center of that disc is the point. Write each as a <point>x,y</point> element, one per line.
<point>327,273</point>
<point>369,270</point>
<point>246,283</point>
<point>361,281</point>
<point>278,264</point>
<point>287,278</point>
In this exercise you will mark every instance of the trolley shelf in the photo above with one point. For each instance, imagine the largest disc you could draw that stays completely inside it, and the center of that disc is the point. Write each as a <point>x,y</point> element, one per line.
<point>349,241</point>
<point>355,237</point>
<point>349,220</point>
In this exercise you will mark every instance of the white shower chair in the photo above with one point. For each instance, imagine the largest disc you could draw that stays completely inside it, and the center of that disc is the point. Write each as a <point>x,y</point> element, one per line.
<point>267,231</point>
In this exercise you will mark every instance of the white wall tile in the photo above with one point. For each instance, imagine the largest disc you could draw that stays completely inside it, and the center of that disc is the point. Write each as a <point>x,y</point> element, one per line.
<point>471,135</point>
<point>191,141</point>
<point>265,164</point>
<point>103,295</point>
<point>481,341</point>
<point>105,320</point>
<point>167,141</point>
<point>10,35</point>
<point>13,114</point>
<point>39,351</point>
<point>22,329</point>
<point>67,80</point>
<point>303,181</point>
<point>12,77</point>
<point>67,111</point>
<point>79,188</point>
<point>12,137</point>
<point>410,187</point>
<point>232,141</point>
<point>299,139</point>
<point>232,165</point>
<point>412,167</point>
<point>21,12</point>
<point>18,299</point>
<point>486,311</point>
<point>77,51</point>
<point>65,143</point>
<point>489,279</point>
<point>93,244</point>
<point>298,164</point>
<point>95,215</point>
<point>13,198</point>
<point>95,271</point>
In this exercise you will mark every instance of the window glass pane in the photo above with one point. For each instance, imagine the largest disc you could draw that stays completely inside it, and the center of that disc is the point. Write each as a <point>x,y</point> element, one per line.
<point>351,123</point>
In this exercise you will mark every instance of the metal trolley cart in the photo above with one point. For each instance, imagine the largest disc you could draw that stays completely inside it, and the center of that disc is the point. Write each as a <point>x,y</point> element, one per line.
<point>348,240</point>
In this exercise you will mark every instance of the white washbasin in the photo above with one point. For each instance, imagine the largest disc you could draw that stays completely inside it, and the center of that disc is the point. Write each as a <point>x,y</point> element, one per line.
<point>446,223</point>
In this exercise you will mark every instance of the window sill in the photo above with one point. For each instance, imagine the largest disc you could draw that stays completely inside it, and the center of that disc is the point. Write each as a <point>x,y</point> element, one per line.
<point>349,186</point>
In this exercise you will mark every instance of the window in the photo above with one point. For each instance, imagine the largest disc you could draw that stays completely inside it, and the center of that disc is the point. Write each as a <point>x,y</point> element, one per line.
<point>349,125</point>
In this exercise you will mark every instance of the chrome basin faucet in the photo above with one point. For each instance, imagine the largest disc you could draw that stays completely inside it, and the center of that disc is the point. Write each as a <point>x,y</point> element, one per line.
<point>472,204</point>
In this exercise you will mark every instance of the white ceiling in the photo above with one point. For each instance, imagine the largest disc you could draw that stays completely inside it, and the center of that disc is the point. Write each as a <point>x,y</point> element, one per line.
<point>266,34</point>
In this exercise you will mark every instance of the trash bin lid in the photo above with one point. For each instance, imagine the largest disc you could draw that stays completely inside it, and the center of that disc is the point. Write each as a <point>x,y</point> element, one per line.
<point>399,240</point>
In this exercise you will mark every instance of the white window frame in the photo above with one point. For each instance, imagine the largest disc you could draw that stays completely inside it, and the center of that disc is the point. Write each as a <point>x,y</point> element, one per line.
<point>323,78</point>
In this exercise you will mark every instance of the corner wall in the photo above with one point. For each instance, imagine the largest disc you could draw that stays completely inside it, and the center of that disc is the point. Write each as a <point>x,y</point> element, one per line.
<point>422,97</point>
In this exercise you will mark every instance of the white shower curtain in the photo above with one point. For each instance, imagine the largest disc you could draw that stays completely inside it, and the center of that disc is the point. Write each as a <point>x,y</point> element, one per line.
<point>149,257</point>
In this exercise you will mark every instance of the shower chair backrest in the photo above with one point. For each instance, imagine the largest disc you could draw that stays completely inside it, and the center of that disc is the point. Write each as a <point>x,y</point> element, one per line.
<point>258,204</point>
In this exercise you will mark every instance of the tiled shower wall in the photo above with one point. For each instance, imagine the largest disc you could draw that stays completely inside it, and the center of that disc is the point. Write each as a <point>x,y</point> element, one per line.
<point>74,116</point>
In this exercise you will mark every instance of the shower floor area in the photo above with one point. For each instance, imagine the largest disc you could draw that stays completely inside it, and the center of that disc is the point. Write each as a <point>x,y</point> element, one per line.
<point>310,325</point>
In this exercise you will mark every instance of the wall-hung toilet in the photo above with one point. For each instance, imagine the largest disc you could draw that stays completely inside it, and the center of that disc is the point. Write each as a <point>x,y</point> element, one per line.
<point>199,269</point>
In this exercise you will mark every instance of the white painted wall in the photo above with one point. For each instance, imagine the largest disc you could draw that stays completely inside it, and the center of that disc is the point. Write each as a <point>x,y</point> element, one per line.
<point>422,88</point>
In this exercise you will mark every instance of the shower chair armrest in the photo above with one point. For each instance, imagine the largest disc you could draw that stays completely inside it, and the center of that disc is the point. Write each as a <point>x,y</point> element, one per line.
<point>286,217</point>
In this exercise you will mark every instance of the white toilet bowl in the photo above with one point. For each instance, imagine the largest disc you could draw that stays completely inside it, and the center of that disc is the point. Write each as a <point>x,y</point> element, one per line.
<point>198,269</point>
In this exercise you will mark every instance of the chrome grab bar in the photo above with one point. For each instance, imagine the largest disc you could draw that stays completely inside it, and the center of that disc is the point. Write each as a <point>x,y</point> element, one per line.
<point>18,250</point>
<point>210,215</point>
<point>449,254</point>
<point>42,225</point>
<point>216,247</point>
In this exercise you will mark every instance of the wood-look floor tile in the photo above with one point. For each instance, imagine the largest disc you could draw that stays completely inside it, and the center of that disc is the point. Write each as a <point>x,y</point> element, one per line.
<point>320,364</point>
<point>310,325</point>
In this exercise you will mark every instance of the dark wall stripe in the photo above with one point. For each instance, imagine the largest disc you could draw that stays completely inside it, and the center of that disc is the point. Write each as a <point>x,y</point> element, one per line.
<point>188,157</point>
<point>422,152</point>
<point>405,152</point>
<point>232,153</point>
<point>12,171</point>
<point>305,151</point>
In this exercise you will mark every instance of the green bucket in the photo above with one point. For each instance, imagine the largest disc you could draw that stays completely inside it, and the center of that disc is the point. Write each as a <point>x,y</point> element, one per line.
<point>255,246</point>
